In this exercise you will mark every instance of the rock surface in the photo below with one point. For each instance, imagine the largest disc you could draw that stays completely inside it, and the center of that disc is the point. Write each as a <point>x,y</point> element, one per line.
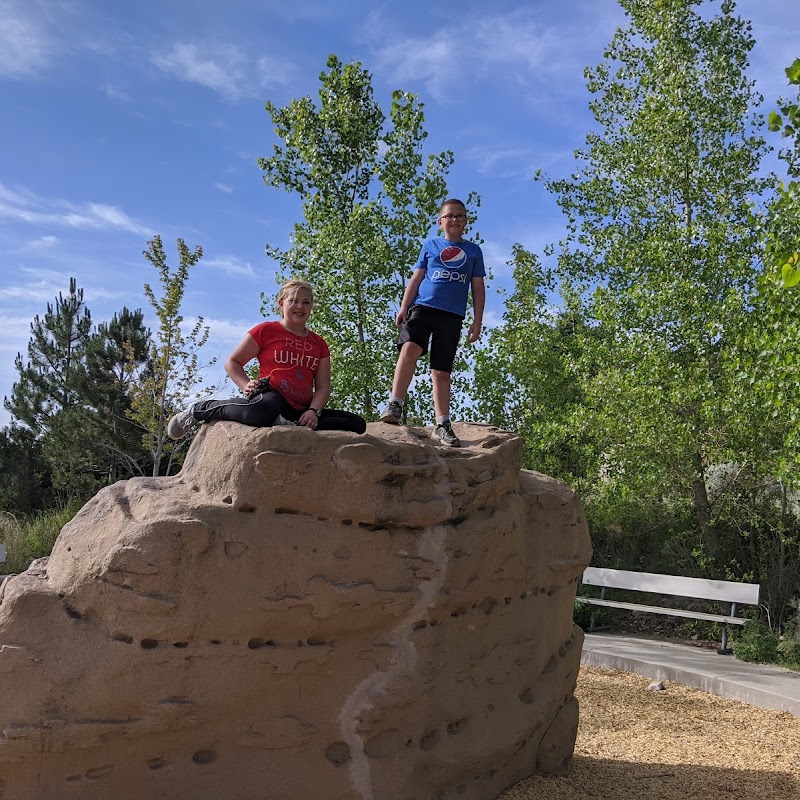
<point>300,616</point>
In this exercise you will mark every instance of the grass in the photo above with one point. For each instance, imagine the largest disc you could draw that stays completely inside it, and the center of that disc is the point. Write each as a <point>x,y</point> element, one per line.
<point>29,539</point>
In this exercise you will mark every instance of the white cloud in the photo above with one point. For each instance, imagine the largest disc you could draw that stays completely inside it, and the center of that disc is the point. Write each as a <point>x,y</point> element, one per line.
<point>41,286</point>
<point>16,332</point>
<point>221,68</point>
<point>115,93</point>
<point>231,265</point>
<point>524,48</point>
<point>491,160</point>
<point>228,332</point>
<point>42,243</point>
<point>273,73</point>
<point>25,206</point>
<point>224,68</point>
<point>495,256</point>
<point>25,45</point>
<point>102,215</point>
<point>224,187</point>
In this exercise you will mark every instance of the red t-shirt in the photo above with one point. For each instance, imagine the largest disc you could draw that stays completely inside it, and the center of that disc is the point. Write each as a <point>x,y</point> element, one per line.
<point>290,361</point>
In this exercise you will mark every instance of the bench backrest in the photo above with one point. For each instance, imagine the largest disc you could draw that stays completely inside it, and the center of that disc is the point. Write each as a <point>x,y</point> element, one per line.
<point>704,588</point>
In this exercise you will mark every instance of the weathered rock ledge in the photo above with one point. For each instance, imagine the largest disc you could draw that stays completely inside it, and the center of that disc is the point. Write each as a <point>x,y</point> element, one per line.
<point>300,616</point>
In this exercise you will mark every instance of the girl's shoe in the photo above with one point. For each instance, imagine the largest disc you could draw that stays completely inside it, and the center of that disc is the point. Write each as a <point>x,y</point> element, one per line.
<point>181,424</point>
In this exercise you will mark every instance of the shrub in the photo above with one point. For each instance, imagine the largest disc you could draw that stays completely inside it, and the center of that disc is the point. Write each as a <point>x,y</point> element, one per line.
<point>581,614</point>
<point>789,653</point>
<point>757,643</point>
<point>789,648</point>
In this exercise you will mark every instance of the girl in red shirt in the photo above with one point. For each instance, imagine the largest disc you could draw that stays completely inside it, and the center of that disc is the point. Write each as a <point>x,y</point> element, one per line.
<point>297,364</point>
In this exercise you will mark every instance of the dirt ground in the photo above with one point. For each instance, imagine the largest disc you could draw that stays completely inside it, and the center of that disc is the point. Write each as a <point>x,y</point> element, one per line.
<point>635,744</point>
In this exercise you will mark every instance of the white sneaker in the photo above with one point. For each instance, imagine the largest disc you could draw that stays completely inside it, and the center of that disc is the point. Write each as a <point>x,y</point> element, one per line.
<point>181,424</point>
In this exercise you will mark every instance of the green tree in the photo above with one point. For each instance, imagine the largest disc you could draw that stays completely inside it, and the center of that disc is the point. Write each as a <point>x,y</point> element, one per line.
<point>765,502</point>
<point>660,224</point>
<point>25,479</point>
<point>783,240</point>
<point>769,356</point>
<point>49,379</point>
<point>48,398</point>
<point>74,452</point>
<point>369,198</point>
<point>173,370</point>
<point>116,354</point>
<point>528,375</point>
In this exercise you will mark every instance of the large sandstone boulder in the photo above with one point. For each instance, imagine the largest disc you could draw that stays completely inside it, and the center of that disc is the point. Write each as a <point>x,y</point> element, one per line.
<point>300,616</point>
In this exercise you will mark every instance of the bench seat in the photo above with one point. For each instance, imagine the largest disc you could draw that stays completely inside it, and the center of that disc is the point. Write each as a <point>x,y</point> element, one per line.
<point>673,612</point>
<point>734,592</point>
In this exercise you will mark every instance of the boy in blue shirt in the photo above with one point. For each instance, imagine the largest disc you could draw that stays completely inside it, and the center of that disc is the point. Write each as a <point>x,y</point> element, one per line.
<point>432,312</point>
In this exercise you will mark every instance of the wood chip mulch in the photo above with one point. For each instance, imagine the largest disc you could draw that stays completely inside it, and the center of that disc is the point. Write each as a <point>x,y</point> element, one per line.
<point>677,744</point>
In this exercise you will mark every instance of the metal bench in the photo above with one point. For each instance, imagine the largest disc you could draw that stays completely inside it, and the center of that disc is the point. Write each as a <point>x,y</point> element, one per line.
<point>732,592</point>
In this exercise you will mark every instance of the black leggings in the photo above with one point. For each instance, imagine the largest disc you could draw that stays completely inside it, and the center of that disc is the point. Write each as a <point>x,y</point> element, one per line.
<point>261,410</point>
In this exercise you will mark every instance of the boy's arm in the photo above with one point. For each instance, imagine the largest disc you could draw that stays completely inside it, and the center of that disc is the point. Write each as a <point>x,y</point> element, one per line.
<point>478,302</point>
<point>409,296</point>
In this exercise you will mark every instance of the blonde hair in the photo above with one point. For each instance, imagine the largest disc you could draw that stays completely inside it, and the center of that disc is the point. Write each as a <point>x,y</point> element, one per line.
<point>291,287</point>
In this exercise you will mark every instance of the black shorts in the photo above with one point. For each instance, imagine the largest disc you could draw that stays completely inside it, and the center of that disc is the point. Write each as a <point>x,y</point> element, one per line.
<point>430,326</point>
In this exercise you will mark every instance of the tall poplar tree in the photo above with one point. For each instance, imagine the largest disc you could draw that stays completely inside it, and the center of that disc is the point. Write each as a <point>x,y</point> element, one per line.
<point>660,225</point>
<point>770,356</point>
<point>369,198</point>
<point>531,369</point>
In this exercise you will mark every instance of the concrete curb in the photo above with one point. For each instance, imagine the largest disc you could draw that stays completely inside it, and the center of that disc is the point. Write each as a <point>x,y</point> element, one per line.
<point>755,684</point>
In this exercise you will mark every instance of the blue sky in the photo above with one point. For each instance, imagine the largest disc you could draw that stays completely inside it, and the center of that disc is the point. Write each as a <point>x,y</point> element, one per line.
<point>126,119</point>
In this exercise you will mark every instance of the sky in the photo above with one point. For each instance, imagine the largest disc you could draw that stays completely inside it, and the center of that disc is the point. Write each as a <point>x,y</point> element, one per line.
<point>122,120</point>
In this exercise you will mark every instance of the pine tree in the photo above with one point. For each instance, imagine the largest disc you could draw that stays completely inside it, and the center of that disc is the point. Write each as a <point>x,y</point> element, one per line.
<point>48,381</point>
<point>116,354</point>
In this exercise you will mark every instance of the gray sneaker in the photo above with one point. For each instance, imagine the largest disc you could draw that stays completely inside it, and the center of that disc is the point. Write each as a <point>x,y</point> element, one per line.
<point>391,413</point>
<point>444,433</point>
<point>181,424</point>
<point>279,420</point>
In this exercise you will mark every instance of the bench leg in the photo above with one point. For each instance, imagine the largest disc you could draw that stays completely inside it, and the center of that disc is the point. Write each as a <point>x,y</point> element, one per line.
<point>593,615</point>
<point>724,650</point>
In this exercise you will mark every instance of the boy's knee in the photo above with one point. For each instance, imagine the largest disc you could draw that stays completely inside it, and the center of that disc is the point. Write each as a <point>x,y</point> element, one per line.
<point>410,351</point>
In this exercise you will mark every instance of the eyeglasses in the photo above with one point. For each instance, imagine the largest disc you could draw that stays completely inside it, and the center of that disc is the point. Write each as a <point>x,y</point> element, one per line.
<point>453,217</point>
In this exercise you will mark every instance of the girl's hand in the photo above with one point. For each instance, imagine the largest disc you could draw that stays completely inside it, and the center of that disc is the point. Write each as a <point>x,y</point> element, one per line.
<point>309,419</point>
<point>255,386</point>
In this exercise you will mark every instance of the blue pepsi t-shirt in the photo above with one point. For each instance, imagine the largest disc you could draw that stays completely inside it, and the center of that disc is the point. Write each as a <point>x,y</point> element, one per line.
<point>449,270</point>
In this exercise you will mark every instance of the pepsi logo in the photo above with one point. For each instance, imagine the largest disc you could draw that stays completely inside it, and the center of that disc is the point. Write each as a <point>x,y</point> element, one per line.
<point>453,257</point>
<point>448,275</point>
